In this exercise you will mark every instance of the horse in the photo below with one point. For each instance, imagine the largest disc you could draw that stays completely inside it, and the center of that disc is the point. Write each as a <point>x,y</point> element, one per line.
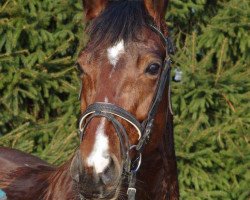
<point>126,127</point>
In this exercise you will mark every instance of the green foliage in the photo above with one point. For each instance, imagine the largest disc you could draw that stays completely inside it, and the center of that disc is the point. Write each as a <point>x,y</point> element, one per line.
<point>38,89</point>
<point>40,41</point>
<point>212,107</point>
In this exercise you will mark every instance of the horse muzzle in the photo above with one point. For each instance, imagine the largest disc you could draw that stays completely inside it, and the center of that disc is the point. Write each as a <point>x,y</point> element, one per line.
<point>92,185</point>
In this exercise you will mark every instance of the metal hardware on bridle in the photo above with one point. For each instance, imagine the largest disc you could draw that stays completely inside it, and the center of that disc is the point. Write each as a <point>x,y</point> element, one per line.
<point>111,112</point>
<point>137,161</point>
<point>178,75</point>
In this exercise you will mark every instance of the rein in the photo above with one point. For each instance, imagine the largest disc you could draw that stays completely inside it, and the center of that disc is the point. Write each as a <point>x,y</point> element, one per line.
<point>144,129</point>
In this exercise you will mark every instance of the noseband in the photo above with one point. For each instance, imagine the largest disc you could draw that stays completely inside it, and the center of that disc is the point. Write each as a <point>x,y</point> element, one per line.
<point>111,112</point>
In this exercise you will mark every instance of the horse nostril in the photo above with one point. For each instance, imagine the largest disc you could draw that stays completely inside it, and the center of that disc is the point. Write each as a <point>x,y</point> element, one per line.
<point>109,174</point>
<point>106,177</point>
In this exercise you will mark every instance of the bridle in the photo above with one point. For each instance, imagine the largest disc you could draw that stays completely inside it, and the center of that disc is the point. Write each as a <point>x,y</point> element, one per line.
<point>111,112</point>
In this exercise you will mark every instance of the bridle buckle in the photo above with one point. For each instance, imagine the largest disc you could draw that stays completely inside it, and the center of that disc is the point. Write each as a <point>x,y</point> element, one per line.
<point>131,191</point>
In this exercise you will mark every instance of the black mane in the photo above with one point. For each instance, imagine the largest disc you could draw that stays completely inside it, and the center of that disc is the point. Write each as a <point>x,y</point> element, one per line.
<point>122,19</point>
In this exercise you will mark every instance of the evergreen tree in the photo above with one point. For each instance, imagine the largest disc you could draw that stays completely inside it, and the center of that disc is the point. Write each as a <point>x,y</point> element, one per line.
<point>40,41</point>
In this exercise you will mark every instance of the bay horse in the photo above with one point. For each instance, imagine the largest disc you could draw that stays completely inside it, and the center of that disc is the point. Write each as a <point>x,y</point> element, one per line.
<point>126,127</point>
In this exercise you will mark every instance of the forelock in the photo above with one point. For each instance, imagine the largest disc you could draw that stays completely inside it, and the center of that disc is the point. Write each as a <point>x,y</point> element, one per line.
<point>121,20</point>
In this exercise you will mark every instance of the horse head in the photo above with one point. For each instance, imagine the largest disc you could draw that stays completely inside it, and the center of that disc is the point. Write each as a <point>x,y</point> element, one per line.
<point>120,66</point>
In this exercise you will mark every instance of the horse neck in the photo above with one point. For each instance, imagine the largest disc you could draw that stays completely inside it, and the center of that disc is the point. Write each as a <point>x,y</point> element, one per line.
<point>60,184</point>
<point>160,129</point>
<point>158,142</point>
<point>158,171</point>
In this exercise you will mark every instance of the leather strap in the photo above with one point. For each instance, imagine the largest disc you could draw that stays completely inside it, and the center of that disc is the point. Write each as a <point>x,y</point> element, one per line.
<point>113,110</point>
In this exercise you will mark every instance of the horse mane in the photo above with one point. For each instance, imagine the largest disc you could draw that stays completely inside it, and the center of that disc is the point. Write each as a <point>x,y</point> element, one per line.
<point>121,20</point>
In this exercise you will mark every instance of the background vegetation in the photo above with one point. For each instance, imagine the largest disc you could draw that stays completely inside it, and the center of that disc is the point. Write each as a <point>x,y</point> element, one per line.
<point>39,43</point>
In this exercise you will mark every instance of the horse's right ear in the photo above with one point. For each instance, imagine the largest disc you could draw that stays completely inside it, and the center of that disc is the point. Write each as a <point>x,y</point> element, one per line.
<point>93,8</point>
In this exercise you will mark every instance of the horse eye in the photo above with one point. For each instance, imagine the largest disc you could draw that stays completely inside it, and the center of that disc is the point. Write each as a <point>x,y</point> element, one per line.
<point>79,68</point>
<point>153,69</point>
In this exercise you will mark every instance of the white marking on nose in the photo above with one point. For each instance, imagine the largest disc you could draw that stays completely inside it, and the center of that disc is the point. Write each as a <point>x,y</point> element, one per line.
<point>115,51</point>
<point>99,157</point>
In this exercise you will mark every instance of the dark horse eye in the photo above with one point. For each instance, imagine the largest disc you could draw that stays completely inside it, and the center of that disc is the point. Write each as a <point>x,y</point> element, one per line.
<point>153,69</point>
<point>79,68</point>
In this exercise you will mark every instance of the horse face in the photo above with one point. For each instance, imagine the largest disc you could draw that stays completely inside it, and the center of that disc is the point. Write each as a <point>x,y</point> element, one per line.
<point>123,72</point>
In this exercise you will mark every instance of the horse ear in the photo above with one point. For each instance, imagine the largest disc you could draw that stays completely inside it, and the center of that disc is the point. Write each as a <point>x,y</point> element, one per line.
<point>156,8</point>
<point>93,8</point>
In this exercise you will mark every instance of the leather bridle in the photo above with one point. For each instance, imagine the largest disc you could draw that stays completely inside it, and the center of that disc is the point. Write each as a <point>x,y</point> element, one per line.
<point>111,112</point>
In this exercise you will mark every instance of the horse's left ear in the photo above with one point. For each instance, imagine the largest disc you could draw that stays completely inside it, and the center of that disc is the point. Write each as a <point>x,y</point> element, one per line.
<point>93,8</point>
<point>156,8</point>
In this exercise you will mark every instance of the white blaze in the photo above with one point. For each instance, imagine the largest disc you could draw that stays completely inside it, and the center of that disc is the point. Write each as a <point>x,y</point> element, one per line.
<point>115,51</point>
<point>99,157</point>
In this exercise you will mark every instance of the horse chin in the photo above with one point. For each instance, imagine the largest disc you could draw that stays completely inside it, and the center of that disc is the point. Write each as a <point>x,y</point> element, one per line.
<point>107,195</point>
